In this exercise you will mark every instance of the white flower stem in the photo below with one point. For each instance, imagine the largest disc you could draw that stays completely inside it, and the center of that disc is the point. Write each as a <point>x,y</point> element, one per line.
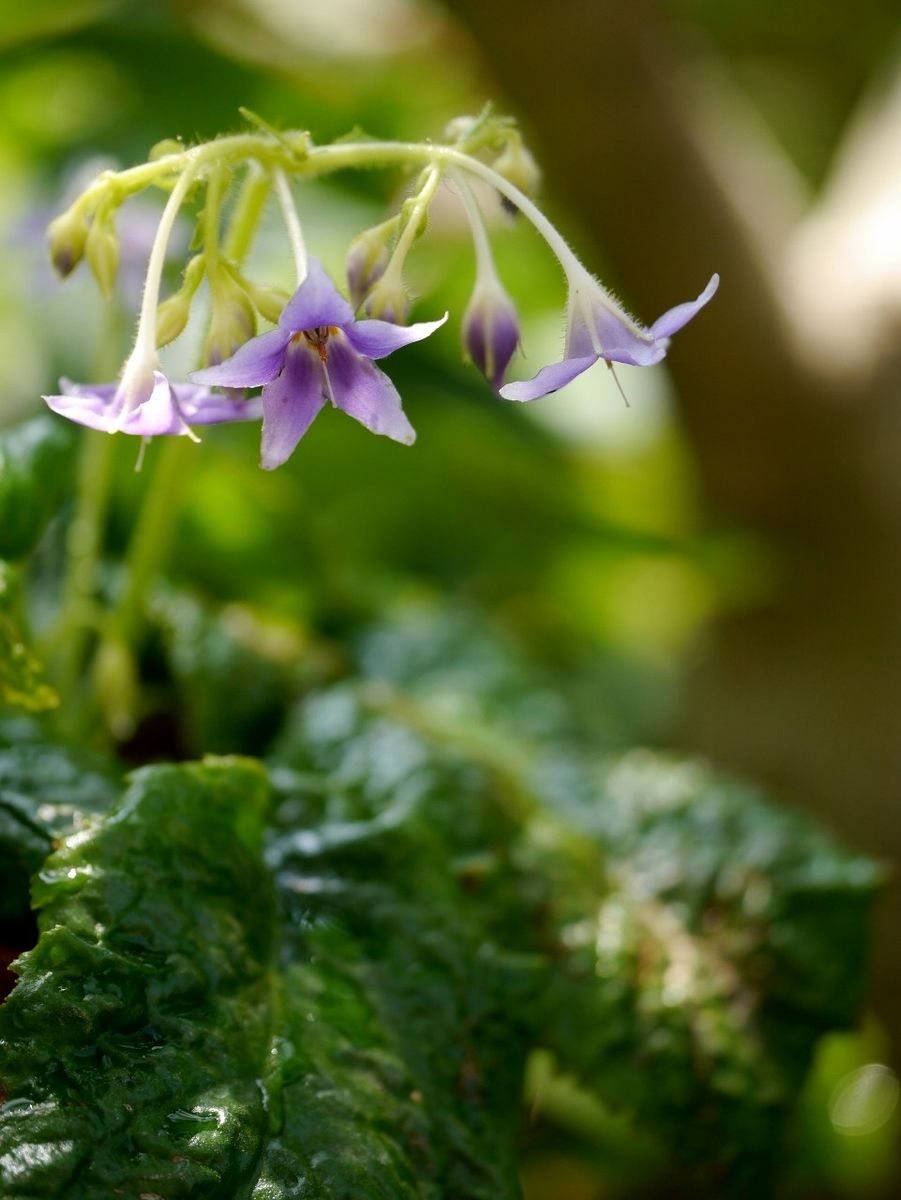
<point>572,268</point>
<point>292,223</point>
<point>145,341</point>
<point>485,269</point>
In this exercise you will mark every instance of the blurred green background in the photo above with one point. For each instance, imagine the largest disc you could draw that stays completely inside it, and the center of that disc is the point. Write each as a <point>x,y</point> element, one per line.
<point>716,566</point>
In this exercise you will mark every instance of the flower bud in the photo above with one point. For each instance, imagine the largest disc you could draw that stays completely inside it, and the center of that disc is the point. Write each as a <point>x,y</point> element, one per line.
<point>67,236</point>
<point>367,259</point>
<point>233,322</point>
<point>388,300</point>
<point>268,301</point>
<point>173,314</point>
<point>165,147</point>
<point>518,166</point>
<point>172,317</point>
<point>490,330</point>
<point>102,253</point>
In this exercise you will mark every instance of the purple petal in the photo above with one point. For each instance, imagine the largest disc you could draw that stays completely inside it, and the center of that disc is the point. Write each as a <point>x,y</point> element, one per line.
<point>99,408</point>
<point>256,362</point>
<point>316,302</point>
<point>378,339</point>
<point>290,403</point>
<point>549,379</point>
<point>675,318</point>
<point>200,406</point>
<point>596,328</point>
<point>365,393</point>
<point>490,338</point>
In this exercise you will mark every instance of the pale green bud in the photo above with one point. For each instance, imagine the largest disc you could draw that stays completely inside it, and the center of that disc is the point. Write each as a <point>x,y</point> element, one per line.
<point>388,300</point>
<point>172,317</point>
<point>518,166</point>
<point>166,146</point>
<point>102,253</point>
<point>368,257</point>
<point>268,301</point>
<point>233,322</point>
<point>173,314</point>
<point>67,236</point>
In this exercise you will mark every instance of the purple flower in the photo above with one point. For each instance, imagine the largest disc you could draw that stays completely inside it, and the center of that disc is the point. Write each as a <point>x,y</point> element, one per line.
<point>598,328</point>
<point>490,329</point>
<point>319,353</point>
<point>164,409</point>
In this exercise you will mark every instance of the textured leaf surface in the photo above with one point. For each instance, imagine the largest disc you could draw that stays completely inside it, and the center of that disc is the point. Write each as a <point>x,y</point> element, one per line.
<point>326,983</point>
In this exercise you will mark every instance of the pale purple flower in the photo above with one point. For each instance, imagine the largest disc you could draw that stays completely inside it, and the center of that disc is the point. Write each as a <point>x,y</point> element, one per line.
<point>598,328</point>
<point>165,408</point>
<point>319,353</point>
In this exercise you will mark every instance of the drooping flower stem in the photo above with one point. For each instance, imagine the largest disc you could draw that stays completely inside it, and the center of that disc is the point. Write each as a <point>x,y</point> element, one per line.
<point>292,223</point>
<point>145,339</point>
<point>485,268</point>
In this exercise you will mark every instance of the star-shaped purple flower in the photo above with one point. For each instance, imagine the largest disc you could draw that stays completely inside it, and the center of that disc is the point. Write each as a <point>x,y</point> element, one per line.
<point>599,328</point>
<point>319,353</point>
<point>165,408</point>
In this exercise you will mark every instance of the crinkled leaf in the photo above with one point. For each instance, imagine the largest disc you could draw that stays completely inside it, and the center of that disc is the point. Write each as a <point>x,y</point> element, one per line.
<point>334,996</point>
<point>197,1020</point>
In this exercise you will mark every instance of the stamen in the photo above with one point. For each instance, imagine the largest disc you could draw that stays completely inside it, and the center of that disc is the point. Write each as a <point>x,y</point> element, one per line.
<point>618,384</point>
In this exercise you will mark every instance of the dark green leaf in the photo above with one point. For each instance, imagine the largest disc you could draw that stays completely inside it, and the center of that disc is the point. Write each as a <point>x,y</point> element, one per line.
<point>46,792</point>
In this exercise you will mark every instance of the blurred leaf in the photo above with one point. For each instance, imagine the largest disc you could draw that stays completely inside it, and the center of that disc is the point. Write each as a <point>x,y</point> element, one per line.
<point>231,653</point>
<point>21,675</point>
<point>21,23</point>
<point>36,472</point>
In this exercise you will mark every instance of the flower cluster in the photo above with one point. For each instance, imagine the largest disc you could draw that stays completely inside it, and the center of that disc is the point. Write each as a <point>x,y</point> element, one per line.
<point>322,350</point>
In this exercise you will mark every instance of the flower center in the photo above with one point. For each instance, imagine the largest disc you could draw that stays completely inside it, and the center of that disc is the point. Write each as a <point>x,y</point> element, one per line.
<point>317,339</point>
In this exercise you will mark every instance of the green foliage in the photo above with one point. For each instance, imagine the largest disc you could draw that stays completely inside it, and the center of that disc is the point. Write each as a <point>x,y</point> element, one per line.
<point>326,984</point>
<point>36,470</point>
<point>46,793</point>
<point>21,675</point>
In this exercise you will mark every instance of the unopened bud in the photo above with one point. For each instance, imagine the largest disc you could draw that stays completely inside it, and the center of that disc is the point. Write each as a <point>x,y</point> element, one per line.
<point>268,301</point>
<point>233,322</point>
<point>388,300</point>
<point>173,314</point>
<point>102,253</point>
<point>518,166</point>
<point>166,146</point>
<point>67,236</point>
<point>172,317</point>
<point>490,330</point>
<point>367,259</point>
